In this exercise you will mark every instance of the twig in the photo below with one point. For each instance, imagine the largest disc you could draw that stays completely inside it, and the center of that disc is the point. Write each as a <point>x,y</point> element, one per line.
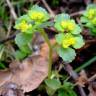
<point>11,9</point>
<point>48,8</point>
<point>9,29</point>
<point>92,78</point>
<point>74,75</point>
<point>77,13</point>
<point>7,39</point>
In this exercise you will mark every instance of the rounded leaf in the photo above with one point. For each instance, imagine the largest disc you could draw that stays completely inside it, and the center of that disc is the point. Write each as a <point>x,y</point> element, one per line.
<point>53,83</point>
<point>59,38</point>
<point>68,54</point>
<point>79,42</point>
<point>77,30</point>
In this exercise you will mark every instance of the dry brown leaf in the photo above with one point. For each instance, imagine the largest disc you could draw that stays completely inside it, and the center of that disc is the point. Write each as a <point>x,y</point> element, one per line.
<point>82,79</point>
<point>29,73</point>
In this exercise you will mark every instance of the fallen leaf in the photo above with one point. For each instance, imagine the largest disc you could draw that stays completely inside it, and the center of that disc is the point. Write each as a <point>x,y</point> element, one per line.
<point>29,73</point>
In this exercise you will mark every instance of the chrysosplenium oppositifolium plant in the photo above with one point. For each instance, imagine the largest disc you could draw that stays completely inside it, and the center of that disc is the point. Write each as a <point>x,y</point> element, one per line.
<point>68,37</point>
<point>28,24</point>
<point>37,18</point>
<point>89,18</point>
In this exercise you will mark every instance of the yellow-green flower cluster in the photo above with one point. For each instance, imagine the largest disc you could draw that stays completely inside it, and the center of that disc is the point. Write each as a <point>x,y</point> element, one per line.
<point>68,25</point>
<point>88,18</point>
<point>69,31</point>
<point>29,22</point>
<point>23,26</point>
<point>63,23</point>
<point>91,14</point>
<point>38,14</point>
<point>68,41</point>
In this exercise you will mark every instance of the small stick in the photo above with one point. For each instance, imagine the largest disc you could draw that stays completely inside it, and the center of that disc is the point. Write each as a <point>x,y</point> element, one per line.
<point>48,8</point>
<point>92,78</point>
<point>74,75</point>
<point>77,13</point>
<point>11,9</point>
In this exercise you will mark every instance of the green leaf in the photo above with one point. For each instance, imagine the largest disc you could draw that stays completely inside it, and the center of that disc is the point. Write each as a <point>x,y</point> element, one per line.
<point>72,93</point>
<point>66,92</point>
<point>19,55</point>
<point>93,31</point>
<point>53,83</point>
<point>26,49</point>
<point>37,9</point>
<point>89,25</point>
<point>68,54</point>
<point>67,85</point>
<point>50,91</point>
<point>59,38</point>
<point>79,42</point>
<point>2,66</point>
<point>58,27</point>
<point>24,17</point>
<point>77,30</point>
<point>83,19</point>
<point>46,24</point>
<point>23,39</point>
<point>91,6</point>
<point>58,20</point>
<point>62,92</point>
<point>61,17</point>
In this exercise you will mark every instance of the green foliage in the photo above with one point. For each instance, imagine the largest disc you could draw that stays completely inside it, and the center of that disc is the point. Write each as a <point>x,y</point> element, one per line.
<point>66,90</point>
<point>54,85</point>
<point>33,21</point>
<point>89,18</point>
<point>68,38</point>
<point>3,13</point>
<point>23,41</point>
<point>38,14</point>
<point>68,54</point>
<point>2,65</point>
<point>63,23</point>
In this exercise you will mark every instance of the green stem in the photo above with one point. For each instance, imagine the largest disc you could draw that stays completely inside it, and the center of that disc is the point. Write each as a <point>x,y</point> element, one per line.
<point>86,64</point>
<point>50,51</point>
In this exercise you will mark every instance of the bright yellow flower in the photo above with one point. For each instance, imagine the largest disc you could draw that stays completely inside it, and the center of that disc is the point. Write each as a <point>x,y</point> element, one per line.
<point>64,24</point>
<point>68,41</point>
<point>37,16</point>
<point>94,21</point>
<point>23,26</point>
<point>91,13</point>
<point>71,26</point>
<point>68,25</point>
